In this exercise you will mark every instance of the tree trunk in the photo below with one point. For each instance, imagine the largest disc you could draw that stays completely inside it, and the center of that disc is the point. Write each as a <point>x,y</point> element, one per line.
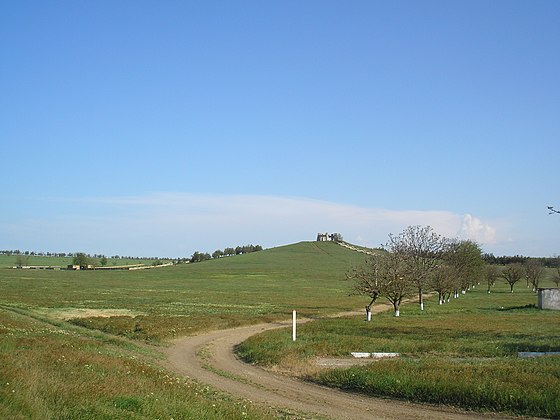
<point>396,306</point>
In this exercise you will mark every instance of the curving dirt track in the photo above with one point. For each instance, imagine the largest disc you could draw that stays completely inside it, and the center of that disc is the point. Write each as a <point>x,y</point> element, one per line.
<point>274,390</point>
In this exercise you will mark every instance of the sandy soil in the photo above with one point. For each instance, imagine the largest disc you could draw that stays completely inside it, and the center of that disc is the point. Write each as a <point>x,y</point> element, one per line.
<point>275,390</point>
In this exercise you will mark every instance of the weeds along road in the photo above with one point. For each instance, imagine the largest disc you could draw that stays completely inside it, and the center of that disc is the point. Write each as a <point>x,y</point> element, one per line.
<point>210,359</point>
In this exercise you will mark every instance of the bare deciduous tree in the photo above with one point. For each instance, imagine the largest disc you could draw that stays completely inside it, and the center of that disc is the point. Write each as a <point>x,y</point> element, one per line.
<point>512,274</point>
<point>442,281</point>
<point>365,281</point>
<point>383,275</point>
<point>491,274</point>
<point>420,248</point>
<point>395,286</point>
<point>534,270</point>
<point>556,275</point>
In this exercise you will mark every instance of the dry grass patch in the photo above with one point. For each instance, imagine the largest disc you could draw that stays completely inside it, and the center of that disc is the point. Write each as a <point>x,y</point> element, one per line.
<point>71,313</point>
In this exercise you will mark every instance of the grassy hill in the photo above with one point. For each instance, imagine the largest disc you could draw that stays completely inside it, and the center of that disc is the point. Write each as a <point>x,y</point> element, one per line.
<point>156,304</point>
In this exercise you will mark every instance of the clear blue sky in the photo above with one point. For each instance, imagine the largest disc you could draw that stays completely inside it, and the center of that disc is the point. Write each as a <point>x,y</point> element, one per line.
<point>164,127</point>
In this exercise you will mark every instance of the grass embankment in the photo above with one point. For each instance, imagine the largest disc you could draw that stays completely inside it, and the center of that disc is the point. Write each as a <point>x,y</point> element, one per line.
<point>52,367</point>
<point>462,354</point>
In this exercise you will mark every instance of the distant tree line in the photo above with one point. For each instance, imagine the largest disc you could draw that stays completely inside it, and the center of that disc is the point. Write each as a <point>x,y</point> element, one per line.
<point>73,254</point>
<point>84,259</point>
<point>550,262</point>
<point>227,252</point>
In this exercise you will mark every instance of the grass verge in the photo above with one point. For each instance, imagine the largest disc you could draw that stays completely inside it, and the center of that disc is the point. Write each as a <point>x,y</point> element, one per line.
<point>49,371</point>
<point>462,354</point>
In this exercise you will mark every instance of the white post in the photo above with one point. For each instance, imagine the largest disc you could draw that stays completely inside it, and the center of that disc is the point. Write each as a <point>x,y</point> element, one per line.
<point>294,325</point>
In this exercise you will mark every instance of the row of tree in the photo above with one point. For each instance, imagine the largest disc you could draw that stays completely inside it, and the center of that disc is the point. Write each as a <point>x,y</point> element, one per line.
<point>227,252</point>
<point>17,252</point>
<point>532,270</point>
<point>552,262</point>
<point>420,260</point>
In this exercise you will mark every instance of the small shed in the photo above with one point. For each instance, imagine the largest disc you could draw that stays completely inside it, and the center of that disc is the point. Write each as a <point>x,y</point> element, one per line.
<point>549,298</point>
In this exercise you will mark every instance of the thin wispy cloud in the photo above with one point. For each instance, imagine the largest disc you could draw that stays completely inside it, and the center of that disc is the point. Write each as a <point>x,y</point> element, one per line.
<point>177,224</point>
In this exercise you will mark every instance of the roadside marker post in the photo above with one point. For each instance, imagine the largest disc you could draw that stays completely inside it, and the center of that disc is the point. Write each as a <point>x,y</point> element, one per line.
<point>294,325</point>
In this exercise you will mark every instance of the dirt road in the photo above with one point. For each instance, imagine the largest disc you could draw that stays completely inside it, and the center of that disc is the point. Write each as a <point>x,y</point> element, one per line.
<point>253,383</point>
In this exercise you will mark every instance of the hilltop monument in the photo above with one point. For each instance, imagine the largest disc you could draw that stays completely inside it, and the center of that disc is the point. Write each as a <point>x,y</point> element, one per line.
<point>325,237</point>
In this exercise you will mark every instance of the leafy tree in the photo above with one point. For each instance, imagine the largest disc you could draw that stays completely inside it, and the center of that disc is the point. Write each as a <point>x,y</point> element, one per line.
<point>336,237</point>
<point>217,254</point>
<point>81,259</point>
<point>420,249</point>
<point>199,256</point>
<point>512,274</point>
<point>22,260</point>
<point>465,258</point>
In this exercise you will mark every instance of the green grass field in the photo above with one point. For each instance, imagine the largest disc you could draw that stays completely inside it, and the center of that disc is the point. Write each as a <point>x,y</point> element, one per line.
<point>462,354</point>
<point>53,367</point>
<point>84,344</point>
